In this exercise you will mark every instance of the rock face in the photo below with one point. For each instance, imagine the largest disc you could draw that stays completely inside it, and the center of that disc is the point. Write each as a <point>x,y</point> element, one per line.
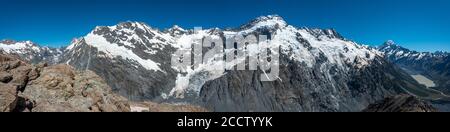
<point>137,65</point>
<point>14,75</point>
<point>401,103</point>
<point>59,88</point>
<point>8,97</point>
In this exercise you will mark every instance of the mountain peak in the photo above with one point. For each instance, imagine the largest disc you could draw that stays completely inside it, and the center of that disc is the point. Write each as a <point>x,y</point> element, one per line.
<point>270,17</point>
<point>391,45</point>
<point>176,27</point>
<point>176,30</point>
<point>270,21</point>
<point>441,52</point>
<point>390,42</point>
<point>132,25</point>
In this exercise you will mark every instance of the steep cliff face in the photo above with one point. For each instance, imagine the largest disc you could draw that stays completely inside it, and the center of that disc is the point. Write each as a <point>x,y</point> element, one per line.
<point>305,89</point>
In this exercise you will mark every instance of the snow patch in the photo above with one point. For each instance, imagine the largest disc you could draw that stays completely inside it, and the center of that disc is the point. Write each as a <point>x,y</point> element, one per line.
<point>339,51</point>
<point>114,51</point>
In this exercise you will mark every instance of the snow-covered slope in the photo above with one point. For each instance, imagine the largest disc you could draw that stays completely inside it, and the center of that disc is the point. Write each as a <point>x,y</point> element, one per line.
<point>302,45</point>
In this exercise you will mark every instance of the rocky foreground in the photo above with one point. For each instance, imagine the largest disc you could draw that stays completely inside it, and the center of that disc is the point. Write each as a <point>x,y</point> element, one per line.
<point>59,88</point>
<point>401,103</point>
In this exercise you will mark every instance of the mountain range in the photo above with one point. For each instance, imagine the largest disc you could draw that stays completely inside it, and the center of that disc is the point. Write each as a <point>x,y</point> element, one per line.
<point>435,66</point>
<point>320,70</point>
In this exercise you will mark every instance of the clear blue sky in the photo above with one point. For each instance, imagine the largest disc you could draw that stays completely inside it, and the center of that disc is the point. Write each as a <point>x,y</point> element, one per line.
<point>422,25</point>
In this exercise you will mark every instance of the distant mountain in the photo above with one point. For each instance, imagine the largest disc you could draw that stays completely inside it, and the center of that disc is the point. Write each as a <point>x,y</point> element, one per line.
<point>320,70</point>
<point>435,66</point>
<point>30,51</point>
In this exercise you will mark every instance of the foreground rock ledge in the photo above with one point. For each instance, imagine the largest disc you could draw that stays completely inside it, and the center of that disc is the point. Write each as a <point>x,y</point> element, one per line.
<point>59,88</point>
<point>401,103</point>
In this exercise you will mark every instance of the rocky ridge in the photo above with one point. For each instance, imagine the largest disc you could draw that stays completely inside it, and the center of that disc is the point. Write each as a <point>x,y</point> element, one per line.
<point>401,103</point>
<point>58,88</point>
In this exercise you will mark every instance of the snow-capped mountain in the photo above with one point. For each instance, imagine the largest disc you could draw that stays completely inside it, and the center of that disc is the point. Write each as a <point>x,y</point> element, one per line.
<point>319,69</point>
<point>435,66</point>
<point>30,51</point>
<point>132,57</point>
<point>396,52</point>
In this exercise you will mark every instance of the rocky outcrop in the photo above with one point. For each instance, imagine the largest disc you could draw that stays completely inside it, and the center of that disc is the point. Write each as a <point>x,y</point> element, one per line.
<point>401,103</point>
<point>7,97</point>
<point>59,88</point>
<point>14,75</point>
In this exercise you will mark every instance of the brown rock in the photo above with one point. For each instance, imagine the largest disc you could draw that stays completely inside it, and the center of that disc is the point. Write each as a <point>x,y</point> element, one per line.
<point>4,58</point>
<point>34,73</point>
<point>7,97</point>
<point>59,88</point>
<point>15,64</point>
<point>5,77</point>
<point>401,103</point>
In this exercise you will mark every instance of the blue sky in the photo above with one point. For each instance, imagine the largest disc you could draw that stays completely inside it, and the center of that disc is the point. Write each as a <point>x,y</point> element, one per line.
<point>422,25</point>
